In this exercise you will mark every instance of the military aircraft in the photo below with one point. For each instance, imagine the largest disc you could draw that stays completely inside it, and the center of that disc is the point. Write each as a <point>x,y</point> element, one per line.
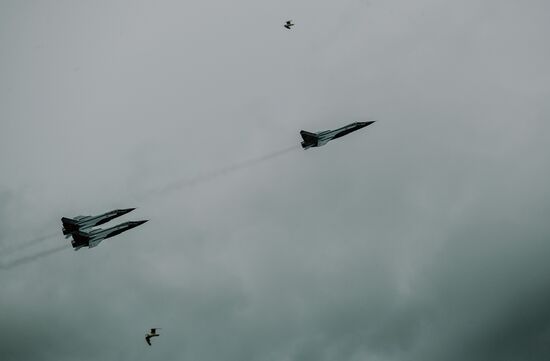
<point>321,138</point>
<point>73,225</point>
<point>91,238</point>
<point>288,24</point>
<point>152,333</point>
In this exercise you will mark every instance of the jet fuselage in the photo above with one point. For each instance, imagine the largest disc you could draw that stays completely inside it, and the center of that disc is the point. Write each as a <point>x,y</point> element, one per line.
<point>93,237</point>
<point>73,225</point>
<point>321,138</point>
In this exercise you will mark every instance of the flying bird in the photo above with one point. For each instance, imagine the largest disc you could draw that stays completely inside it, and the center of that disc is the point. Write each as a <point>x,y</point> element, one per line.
<point>152,333</point>
<point>289,24</point>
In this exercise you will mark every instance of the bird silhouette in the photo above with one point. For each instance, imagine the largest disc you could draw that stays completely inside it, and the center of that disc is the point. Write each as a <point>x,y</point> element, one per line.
<point>152,333</point>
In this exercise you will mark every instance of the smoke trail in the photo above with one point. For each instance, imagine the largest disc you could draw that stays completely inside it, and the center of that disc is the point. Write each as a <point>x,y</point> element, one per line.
<point>221,172</point>
<point>26,259</point>
<point>7,249</point>
<point>10,249</point>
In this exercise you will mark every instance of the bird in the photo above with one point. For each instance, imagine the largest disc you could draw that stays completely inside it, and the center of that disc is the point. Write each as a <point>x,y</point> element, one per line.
<point>288,24</point>
<point>152,333</point>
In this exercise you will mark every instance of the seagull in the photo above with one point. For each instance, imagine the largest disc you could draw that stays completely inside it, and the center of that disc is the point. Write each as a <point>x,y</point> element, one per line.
<point>152,333</point>
<point>288,24</point>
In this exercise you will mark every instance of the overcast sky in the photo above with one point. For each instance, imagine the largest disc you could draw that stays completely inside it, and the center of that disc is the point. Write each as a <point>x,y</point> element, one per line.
<point>422,237</point>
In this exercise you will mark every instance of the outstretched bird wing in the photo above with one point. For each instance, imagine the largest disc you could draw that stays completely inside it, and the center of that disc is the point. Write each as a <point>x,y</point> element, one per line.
<point>148,340</point>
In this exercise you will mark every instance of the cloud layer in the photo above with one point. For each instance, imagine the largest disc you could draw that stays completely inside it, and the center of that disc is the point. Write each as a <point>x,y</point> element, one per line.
<point>422,237</point>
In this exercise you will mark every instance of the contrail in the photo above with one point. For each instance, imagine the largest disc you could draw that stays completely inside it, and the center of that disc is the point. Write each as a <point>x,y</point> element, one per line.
<point>221,172</point>
<point>25,244</point>
<point>26,259</point>
<point>7,250</point>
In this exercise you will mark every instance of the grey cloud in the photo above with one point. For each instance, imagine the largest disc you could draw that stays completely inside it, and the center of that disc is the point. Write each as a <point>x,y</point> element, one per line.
<point>423,237</point>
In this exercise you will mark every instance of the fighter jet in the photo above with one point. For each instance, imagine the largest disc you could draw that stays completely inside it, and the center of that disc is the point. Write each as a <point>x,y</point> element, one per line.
<point>152,333</point>
<point>321,138</point>
<point>73,225</point>
<point>93,237</point>
<point>288,24</point>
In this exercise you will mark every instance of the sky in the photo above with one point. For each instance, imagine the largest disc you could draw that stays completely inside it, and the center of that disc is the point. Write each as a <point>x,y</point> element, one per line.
<point>424,236</point>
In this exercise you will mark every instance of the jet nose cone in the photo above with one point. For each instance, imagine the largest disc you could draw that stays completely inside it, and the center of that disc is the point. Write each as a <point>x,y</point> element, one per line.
<point>364,124</point>
<point>133,224</point>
